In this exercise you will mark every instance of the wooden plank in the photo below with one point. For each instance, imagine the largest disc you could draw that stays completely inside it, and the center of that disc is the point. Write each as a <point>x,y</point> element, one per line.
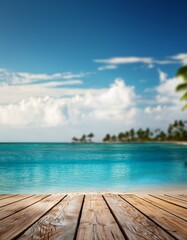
<point>60,223</point>
<point>174,201</point>
<point>97,221</point>
<point>180,197</point>
<point>18,206</point>
<point>171,208</point>
<point>2,196</point>
<point>16,198</point>
<point>14,225</point>
<point>133,223</point>
<point>172,224</point>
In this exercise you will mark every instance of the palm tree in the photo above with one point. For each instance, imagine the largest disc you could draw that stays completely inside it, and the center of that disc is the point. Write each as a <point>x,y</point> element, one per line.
<point>147,134</point>
<point>170,128</point>
<point>114,138</point>
<point>182,72</point>
<point>74,139</point>
<point>121,136</point>
<point>157,134</point>
<point>161,136</point>
<point>175,124</point>
<point>132,134</point>
<point>107,138</point>
<point>90,136</point>
<point>181,124</point>
<point>140,134</point>
<point>127,135</point>
<point>83,138</point>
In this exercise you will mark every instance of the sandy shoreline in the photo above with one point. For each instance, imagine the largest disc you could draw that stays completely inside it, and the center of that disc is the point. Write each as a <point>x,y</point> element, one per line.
<point>177,189</point>
<point>163,190</point>
<point>181,143</point>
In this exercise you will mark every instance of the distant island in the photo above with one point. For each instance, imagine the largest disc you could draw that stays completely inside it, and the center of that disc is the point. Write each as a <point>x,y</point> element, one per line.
<point>176,131</point>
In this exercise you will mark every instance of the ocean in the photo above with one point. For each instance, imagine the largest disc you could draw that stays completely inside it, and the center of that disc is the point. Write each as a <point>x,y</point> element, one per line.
<point>70,167</point>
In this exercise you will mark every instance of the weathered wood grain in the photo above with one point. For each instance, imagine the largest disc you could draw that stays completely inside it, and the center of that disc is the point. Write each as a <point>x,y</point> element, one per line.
<point>2,196</point>
<point>171,208</point>
<point>134,224</point>
<point>16,198</point>
<point>18,206</point>
<point>96,221</point>
<point>174,201</point>
<point>14,225</point>
<point>172,224</point>
<point>181,197</point>
<point>110,216</point>
<point>59,223</point>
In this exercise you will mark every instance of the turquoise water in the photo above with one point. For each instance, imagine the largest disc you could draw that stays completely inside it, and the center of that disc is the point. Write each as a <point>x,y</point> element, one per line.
<point>63,167</point>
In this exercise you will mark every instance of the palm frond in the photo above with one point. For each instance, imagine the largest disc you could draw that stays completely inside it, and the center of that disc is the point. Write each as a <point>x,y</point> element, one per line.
<point>181,87</point>
<point>184,96</point>
<point>182,72</point>
<point>184,107</point>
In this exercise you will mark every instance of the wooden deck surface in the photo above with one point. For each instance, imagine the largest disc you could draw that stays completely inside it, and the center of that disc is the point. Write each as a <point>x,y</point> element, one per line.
<point>93,216</point>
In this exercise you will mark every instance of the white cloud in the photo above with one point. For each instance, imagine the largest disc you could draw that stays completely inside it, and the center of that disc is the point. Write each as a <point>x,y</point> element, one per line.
<point>69,75</point>
<point>125,60</point>
<point>33,111</point>
<point>112,63</point>
<point>107,105</point>
<point>15,93</point>
<point>156,109</point>
<point>162,115</point>
<point>107,67</point>
<point>166,91</point>
<point>20,78</point>
<point>27,111</point>
<point>182,58</point>
<point>164,62</point>
<point>166,106</point>
<point>61,84</point>
<point>162,76</point>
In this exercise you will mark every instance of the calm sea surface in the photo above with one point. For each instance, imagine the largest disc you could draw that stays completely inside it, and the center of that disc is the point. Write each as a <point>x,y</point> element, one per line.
<point>63,167</point>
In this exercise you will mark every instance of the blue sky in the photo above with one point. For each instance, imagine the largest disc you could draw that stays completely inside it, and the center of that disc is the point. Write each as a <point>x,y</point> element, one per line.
<point>72,67</point>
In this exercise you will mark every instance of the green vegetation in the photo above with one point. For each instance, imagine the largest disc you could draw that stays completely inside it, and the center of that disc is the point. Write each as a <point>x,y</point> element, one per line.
<point>175,132</point>
<point>182,72</point>
<point>84,139</point>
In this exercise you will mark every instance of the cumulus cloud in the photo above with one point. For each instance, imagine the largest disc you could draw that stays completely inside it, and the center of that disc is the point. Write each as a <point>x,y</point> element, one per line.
<point>166,106</point>
<point>33,111</point>
<point>107,105</point>
<point>15,93</point>
<point>156,109</point>
<point>47,109</point>
<point>8,77</point>
<point>166,91</point>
